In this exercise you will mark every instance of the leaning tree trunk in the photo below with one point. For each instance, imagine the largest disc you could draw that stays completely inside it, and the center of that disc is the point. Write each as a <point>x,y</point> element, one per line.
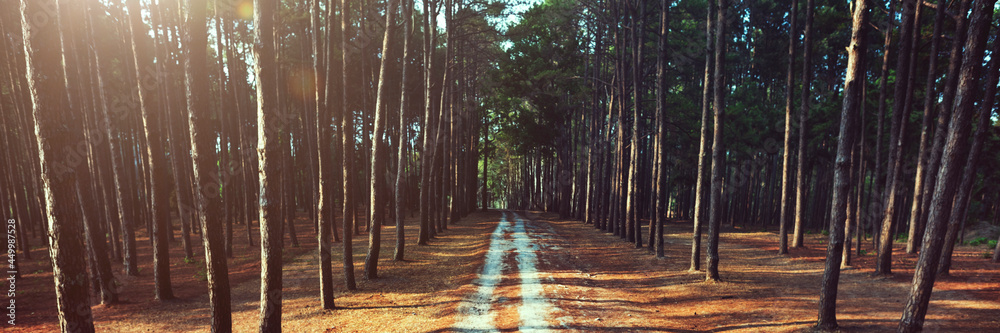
<point>269,163</point>
<point>955,148</point>
<point>916,223</point>
<point>51,113</point>
<point>203,141</point>
<point>883,263</point>
<point>854,83</point>
<point>945,108</point>
<point>378,196</point>
<point>703,148</point>
<point>718,160</point>
<point>969,174</point>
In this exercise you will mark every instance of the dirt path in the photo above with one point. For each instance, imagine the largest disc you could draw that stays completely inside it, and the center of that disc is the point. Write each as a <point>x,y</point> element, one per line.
<point>507,239</point>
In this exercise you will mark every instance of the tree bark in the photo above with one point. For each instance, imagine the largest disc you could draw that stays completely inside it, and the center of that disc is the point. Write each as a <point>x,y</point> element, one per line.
<point>659,185</point>
<point>945,108</point>
<point>801,176</point>
<point>159,208</point>
<point>962,199</point>
<point>377,190</point>
<point>956,147</point>
<point>269,130</point>
<point>347,151</point>
<point>324,174</point>
<point>854,83</point>
<point>701,182</point>
<point>400,185</point>
<point>203,141</point>
<point>916,223</point>
<point>632,227</point>
<point>786,157</point>
<point>883,263</point>
<point>718,149</point>
<point>51,112</point>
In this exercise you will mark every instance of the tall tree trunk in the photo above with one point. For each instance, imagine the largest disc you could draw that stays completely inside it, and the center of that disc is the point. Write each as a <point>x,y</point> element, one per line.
<point>956,147</point>
<point>203,142</point>
<point>879,177</point>
<point>325,173</point>
<point>633,228</point>
<point>347,151</point>
<point>159,208</point>
<point>883,263</point>
<point>428,143</point>
<point>51,112</point>
<point>718,149</point>
<point>916,223</point>
<point>400,185</point>
<point>378,196</point>
<point>659,185</point>
<point>701,182</point>
<point>268,158</point>
<point>962,199</point>
<point>800,174</point>
<point>945,108</point>
<point>854,83</point>
<point>786,157</point>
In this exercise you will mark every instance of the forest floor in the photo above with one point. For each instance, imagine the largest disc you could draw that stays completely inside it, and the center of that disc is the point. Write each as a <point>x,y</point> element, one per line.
<point>538,272</point>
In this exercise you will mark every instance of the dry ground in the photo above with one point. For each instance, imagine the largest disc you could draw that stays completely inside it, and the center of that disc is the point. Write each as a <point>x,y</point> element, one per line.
<point>594,280</point>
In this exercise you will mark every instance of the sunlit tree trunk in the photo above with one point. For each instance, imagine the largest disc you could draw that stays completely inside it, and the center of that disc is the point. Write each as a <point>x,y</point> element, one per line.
<point>400,185</point>
<point>268,157</point>
<point>379,199</point>
<point>786,157</point>
<point>325,171</point>
<point>51,112</point>
<point>701,182</point>
<point>801,177</point>
<point>854,83</point>
<point>883,263</point>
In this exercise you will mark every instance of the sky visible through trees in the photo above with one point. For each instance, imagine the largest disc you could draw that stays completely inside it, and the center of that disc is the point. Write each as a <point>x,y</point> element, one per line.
<point>158,151</point>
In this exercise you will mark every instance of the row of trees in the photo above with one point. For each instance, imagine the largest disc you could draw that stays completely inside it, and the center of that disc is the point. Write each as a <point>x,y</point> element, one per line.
<point>131,116</point>
<point>624,81</point>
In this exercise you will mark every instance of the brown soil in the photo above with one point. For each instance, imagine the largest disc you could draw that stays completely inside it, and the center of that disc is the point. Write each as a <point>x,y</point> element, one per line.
<point>606,284</point>
<point>594,280</point>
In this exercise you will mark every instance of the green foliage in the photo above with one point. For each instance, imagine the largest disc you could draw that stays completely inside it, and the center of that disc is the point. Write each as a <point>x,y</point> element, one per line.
<point>901,238</point>
<point>863,252</point>
<point>190,260</point>
<point>201,274</point>
<point>825,232</point>
<point>992,243</point>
